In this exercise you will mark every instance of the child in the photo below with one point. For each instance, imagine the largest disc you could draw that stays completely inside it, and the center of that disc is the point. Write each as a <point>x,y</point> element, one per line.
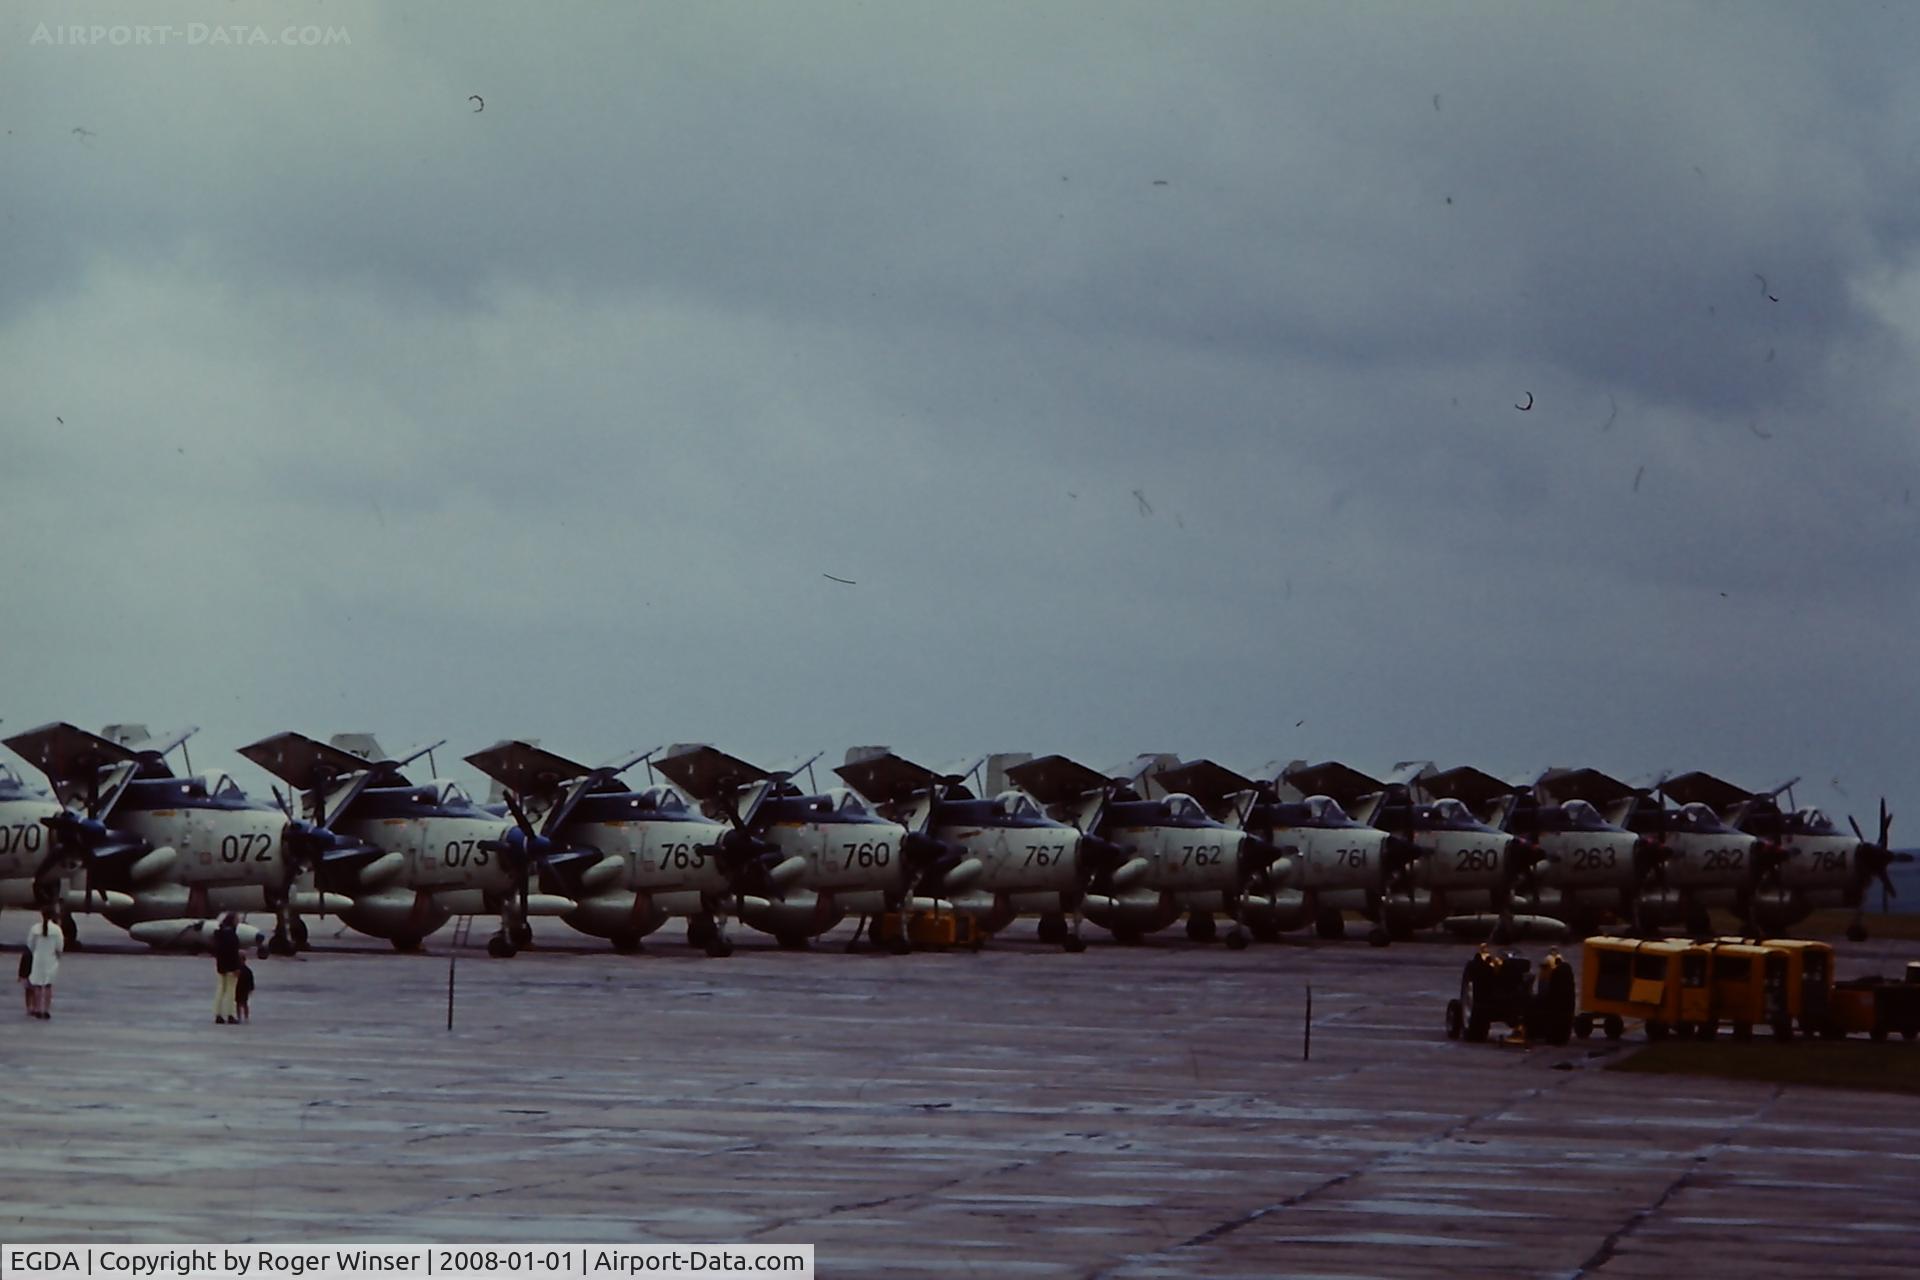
<point>242,992</point>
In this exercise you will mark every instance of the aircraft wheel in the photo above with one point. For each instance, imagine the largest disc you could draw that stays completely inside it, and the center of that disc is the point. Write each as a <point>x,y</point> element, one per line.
<point>1378,936</point>
<point>1053,929</point>
<point>1856,932</point>
<point>1743,1031</point>
<point>522,934</point>
<point>263,950</point>
<point>1200,927</point>
<point>406,942</point>
<point>1236,940</point>
<point>1583,1025</point>
<point>699,930</point>
<point>1073,944</point>
<point>501,947</point>
<point>626,942</point>
<point>1329,924</point>
<point>793,941</point>
<point>1456,1020</point>
<point>718,947</point>
<point>70,931</point>
<point>297,929</point>
<point>281,945</point>
<point>1613,1028</point>
<point>899,944</point>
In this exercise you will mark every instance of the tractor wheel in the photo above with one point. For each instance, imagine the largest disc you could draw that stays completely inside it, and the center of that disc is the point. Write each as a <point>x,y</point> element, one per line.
<point>1613,1027</point>
<point>1329,924</point>
<point>1456,1020</point>
<point>1583,1025</point>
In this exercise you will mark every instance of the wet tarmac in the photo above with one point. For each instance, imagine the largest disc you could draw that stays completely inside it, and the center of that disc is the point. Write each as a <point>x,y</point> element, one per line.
<point>1130,1112</point>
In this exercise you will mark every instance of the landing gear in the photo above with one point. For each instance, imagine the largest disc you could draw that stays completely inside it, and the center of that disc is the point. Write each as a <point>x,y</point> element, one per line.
<point>700,930</point>
<point>899,944</point>
<point>1378,936</point>
<point>521,933</point>
<point>1236,939</point>
<point>1053,929</point>
<point>297,930</point>
<point>1200,927</point>
<point>1329,924</point>
<point>1075,944</point>
<point>718,947</point>
<point>280,944</point>
<point>501,947</point>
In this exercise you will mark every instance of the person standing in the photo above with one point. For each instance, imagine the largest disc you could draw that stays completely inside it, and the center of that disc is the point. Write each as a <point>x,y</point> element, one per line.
<point>45,942</point>
<point>226,968</point>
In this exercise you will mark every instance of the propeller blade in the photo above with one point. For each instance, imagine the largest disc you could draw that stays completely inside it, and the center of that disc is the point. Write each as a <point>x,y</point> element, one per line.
<point>1856,829</point>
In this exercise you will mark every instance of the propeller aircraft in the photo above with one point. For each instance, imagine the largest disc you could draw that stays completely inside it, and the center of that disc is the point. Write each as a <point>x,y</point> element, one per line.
<point>993,858</point>
<point>395,859</point>
<point>162,855</point>
<point>796,863</point>
<point>1819,864</point>
<point>630,860</point>
<point>1171,856</point>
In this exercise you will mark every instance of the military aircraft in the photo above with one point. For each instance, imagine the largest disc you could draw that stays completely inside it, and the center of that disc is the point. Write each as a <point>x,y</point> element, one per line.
<point>33,865</point>
<point>796,862</point>
<point>1465,873</point>
<point>1707,863</point>
<point>629,859</point>
<point>1329,863</point>
<point>1819,865</point>
<point>1171,858</point>
<point>1589,866</point>
<point>163,854</point>
<point>397,859</point>
<point>993,858</point>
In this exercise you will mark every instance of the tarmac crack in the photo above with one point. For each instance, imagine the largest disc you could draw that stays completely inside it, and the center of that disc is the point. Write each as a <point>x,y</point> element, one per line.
<point>1611,1245</point>
<point>1227,1227</point>
<point>916,1193</point>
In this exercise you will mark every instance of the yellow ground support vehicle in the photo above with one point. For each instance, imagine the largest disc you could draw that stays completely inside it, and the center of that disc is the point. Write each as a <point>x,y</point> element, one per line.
<point>1663,982</point>
<point>1807,983</point>
<point>1878,1007</point>
<point>1749,983</point>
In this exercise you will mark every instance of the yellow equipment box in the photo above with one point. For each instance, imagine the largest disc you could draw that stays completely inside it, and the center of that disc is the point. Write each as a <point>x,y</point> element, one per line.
<point>929,929</point>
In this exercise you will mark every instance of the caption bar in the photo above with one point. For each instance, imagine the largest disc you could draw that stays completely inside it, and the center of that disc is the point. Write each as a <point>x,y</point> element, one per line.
<point>357,1262</point>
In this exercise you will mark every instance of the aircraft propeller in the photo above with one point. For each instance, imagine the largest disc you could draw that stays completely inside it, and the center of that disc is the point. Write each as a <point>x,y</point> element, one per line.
<point>1874,858</point>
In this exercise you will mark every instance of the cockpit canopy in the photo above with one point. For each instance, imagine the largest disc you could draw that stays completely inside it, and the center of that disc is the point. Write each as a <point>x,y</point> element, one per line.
<point>1699,817</point>
<point>1814,822</point>
<point>1018,804</point>
<point>662,798</point>
<point>841,800</point>
<point>1184,808</point>
<point>1582,816</point>
<point>1326,810</point>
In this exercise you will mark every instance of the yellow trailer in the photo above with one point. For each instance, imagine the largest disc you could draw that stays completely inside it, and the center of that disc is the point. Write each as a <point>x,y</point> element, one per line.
<point>1663,982</point>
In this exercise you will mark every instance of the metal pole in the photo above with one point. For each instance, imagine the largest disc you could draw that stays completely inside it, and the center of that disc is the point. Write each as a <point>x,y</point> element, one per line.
<point>1306,1029</point>
<point>453,954</point>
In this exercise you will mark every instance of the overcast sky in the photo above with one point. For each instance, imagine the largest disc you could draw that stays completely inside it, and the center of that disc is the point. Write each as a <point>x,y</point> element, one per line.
<point>1151,371</point>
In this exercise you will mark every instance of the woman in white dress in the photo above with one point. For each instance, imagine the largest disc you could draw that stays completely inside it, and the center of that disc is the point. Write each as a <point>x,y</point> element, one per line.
<point>45,942</point>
